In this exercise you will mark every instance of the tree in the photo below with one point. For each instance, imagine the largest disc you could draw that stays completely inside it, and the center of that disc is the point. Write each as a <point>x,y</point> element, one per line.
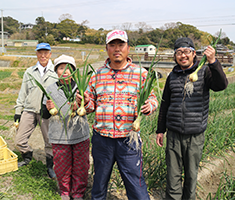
<point>133,37</point>
<point>40,28</point>
<point>40,20</point>
<point>10,25</point>
<point>65,16</point>
<point>48,39</point>
<point>82,28</point>
<point>143,40</point>
<point>67,28</point>
<point>126,26</point>
<point>143,27</point>
<point>166,26</point>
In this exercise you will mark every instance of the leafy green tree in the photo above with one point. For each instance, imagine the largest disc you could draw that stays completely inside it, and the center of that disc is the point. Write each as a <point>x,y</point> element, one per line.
<point>143,40</point>
<point>82,29</point>
<point>10,25</point>
<point>40,28</point>
<point>67,28</point>
<point>48,39</point>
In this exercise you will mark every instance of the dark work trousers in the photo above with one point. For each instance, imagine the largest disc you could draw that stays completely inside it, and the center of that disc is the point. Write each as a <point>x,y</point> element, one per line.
<point>183,152</point>
<point>106,151</point>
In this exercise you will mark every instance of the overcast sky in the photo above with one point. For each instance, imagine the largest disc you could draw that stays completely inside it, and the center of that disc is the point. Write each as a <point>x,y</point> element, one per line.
<point>206,15</point>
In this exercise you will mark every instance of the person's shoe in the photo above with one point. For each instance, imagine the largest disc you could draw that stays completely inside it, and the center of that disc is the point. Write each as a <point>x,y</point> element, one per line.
<point>50,170</point>
<point>27,157</point>
<point>64,197</point>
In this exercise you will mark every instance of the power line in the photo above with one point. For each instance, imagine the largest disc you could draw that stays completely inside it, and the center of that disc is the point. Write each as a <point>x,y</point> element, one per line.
<point>155,22</point>
<point>58,6</point>
<point>207,25</point>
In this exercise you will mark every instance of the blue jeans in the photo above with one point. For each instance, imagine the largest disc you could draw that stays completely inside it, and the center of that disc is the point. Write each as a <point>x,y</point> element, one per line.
<point>105,152</point>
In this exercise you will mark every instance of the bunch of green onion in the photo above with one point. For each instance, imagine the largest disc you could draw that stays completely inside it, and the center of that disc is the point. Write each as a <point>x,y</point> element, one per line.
<point>53,111</point>
<point>145,90</point>
<point>194,77</point>
<point>82,81</point>
<point>68,91</point>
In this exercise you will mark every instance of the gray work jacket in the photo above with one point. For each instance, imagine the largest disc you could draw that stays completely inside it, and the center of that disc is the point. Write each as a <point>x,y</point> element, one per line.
<point>30,96</point>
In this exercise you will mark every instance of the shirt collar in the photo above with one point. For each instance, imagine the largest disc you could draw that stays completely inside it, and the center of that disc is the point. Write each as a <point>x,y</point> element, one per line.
<point>129,61</point>
<point>41,68</point>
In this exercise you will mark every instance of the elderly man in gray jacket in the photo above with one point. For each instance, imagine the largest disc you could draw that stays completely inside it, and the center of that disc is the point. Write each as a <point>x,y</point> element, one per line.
<point>28,105</point>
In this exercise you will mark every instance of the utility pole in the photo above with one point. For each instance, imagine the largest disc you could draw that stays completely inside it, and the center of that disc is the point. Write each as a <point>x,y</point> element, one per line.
<point>2,33</point>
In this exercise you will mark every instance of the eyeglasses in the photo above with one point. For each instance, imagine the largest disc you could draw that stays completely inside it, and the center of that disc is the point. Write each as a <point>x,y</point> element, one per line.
<point>185,51</point>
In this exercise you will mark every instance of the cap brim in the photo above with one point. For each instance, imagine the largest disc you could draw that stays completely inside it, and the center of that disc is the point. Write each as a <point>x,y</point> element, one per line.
<point>42,48</point>
<point>65,61</point>
<point>115,38</point>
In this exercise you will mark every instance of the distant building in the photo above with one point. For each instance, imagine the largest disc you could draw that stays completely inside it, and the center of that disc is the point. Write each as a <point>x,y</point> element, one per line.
<point>150,49</point>
<point>168,52</point>
<point>27,26</point>
<point>5,35</point>
<point>22,43</point>
<point>66,38</point>
<point>221,50</point>
<point>75,40</point>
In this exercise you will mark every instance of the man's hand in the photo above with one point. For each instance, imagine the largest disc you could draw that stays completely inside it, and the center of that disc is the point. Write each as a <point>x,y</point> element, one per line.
<point>17,117</point>
<point>49,105</point>
<point>210,54</point>
<point>79,98</point>
<point>146,108</point>
<point>73,105</point>
<point>159,139</point>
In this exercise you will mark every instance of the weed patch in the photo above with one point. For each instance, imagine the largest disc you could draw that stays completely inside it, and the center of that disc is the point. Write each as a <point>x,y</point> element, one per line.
<point>4,74</point>
<point>32,179</point>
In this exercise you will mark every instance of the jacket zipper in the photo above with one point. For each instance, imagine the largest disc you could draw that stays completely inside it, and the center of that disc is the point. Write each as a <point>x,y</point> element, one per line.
<point>115,76</point>
<point>183,111</point>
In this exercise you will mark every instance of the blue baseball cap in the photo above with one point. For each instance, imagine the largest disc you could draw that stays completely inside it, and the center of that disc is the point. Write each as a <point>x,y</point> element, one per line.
<point>43,46</point>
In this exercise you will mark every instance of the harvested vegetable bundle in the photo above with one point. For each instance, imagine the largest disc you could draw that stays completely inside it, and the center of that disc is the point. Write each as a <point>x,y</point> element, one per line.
<point>68,91</point>
<point>82,81</point>
<point>194,77</point>
<point>14,128</point>
<point>53,111</point>
<point>144,93</point>
<point>142,96</point>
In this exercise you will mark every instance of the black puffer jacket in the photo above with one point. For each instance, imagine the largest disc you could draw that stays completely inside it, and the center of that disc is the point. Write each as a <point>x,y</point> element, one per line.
<point>187,113</point>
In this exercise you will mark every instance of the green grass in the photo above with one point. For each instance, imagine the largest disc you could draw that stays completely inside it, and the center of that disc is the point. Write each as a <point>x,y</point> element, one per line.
<point>21,74</point>
<point>6,117</point>
<point>4,128</point>
<point>226,188</point>
<point>4,74</point>
<point>33,180</point>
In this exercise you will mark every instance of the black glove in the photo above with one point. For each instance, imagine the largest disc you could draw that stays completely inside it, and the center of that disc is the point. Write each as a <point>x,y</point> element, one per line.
<point>17,117</point>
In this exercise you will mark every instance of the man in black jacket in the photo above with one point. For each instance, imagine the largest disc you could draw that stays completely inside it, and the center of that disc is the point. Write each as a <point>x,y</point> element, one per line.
<point>184,113</point>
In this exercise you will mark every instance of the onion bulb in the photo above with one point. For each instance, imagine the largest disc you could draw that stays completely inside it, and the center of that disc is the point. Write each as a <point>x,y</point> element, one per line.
<point>53,111</point>
<point>193,77</point>
<point>81,111</point>
<point>136,124</point>
<point>16,124</point>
